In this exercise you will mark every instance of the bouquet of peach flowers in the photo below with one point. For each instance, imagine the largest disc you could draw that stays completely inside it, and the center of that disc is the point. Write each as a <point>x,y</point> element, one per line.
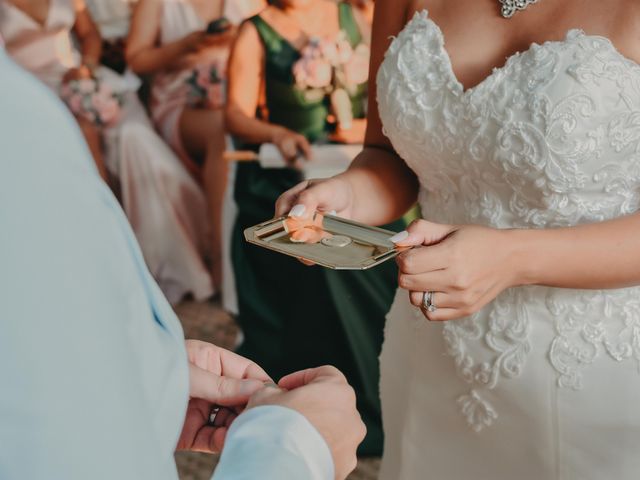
<point>331,66</point>
<point>327,64</point>
<point>92,100</point>
<point>206,86</point>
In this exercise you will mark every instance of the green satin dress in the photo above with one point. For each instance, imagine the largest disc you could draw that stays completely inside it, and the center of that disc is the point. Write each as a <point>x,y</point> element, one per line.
<point>295,317</point>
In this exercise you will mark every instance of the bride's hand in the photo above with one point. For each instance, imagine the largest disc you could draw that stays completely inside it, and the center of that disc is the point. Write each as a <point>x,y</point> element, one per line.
<point>465,266</point>
<point>333,195</point>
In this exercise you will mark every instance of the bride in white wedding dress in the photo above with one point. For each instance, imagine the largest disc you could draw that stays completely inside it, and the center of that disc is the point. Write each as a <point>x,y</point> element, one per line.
<point>528,260</point>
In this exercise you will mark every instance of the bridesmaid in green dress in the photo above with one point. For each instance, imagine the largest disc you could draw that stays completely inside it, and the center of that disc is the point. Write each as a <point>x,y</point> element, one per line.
<point>293,316</point>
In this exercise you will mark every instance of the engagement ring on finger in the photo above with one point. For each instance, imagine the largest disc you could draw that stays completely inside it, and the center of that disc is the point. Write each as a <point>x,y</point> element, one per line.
<point>427,302</point>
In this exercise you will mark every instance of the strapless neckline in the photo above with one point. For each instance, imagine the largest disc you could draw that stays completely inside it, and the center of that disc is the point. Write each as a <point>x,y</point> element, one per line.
<point>570,36</point>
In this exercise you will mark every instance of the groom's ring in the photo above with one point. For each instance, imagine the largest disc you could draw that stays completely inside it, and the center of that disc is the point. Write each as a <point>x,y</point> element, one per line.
<point>427,302</point>
<point>213,413</point>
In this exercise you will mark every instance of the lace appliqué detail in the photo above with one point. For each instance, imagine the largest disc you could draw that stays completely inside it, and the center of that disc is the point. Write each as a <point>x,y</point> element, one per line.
<point>506,334</point>
<point>589,323</point>
<point>478,412</point>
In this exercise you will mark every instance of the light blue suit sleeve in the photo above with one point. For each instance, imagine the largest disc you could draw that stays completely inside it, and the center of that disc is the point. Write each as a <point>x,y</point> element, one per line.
<point>93,369</point>
<point>274,443</point>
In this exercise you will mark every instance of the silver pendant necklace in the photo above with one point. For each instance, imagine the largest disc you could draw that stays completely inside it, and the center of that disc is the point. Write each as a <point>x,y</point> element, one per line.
<point>510,7</point>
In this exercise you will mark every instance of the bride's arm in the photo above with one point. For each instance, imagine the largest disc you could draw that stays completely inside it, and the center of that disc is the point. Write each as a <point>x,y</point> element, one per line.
<point>594,256</point>
<point>378,187</point>
<point>468,266</point>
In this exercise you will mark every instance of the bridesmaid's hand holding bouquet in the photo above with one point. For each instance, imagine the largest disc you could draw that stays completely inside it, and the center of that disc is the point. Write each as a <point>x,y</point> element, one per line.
<point>206,86</point>
<point>91,99</point>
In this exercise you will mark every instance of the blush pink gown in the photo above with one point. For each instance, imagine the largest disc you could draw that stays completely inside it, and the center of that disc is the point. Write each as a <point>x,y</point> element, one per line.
<point>170,93</point>
<point>164,204</point>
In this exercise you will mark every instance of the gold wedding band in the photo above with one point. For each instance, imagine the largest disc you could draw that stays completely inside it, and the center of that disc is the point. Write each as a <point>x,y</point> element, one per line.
<point>213,413</point>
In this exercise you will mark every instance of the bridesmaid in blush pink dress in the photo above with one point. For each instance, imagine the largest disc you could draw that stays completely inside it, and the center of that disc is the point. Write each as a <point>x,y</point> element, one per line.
<point>38,36</point>
<point>168,40</point>
<point>164,204</point>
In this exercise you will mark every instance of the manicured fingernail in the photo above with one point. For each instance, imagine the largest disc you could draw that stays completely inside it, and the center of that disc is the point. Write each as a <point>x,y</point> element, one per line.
<point>399,237</point>
<point>333,212</point>
<point>297,211</point>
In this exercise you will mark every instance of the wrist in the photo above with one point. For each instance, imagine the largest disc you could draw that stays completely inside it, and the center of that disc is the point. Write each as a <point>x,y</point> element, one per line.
<point>522,256</point>
<point>345,183</point>
<point>90,63</point>
<point>275,133</point>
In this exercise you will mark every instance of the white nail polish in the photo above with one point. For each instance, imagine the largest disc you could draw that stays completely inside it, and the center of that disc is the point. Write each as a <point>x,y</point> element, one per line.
<point>399,237</point>
<point>297,211</point>
<point>333,212</point>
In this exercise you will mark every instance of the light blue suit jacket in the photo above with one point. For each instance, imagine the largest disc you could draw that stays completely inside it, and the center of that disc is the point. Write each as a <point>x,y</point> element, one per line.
<point>93,371</point>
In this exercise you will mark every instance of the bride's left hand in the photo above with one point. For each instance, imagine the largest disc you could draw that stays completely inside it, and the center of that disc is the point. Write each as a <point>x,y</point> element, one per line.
<point>465,266</point>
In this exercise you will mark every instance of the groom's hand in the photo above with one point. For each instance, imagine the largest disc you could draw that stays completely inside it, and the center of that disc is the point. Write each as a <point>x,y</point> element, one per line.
<point>217,379</point>
<point>325,398</point>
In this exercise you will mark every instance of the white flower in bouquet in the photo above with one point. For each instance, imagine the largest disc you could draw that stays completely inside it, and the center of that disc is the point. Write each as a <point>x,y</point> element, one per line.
<point>331,63</point>
<point>356,69</point>
<point>314,69</point>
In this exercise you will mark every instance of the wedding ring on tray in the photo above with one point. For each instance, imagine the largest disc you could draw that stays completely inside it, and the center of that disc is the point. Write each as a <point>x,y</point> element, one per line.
<point>341,245</point>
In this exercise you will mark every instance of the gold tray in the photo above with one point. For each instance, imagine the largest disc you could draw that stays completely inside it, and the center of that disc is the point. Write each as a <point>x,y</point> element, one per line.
<point>354,246</point>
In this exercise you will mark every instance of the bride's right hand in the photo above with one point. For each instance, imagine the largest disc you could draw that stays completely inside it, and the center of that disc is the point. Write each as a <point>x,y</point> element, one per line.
<point>333,195</point>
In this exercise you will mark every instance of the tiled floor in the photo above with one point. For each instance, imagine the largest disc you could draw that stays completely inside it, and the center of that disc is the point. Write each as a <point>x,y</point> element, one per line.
<point>208,322</point>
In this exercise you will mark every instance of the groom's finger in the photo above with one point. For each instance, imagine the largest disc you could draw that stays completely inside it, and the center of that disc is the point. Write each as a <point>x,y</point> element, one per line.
<point>311,375</point>
<point>209,439</point>
<point>220,390</point>
<point>223,362</point>
<point>233,365</point>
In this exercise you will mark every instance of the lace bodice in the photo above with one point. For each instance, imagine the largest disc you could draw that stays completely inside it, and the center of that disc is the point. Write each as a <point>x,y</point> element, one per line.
<point>550,139</point>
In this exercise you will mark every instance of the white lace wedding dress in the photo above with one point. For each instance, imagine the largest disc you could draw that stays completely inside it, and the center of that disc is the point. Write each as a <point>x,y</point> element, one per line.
<point>543,383</point>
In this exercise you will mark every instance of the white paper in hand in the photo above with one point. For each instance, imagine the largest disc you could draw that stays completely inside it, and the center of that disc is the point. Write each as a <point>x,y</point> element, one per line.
<point>326,161</point>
